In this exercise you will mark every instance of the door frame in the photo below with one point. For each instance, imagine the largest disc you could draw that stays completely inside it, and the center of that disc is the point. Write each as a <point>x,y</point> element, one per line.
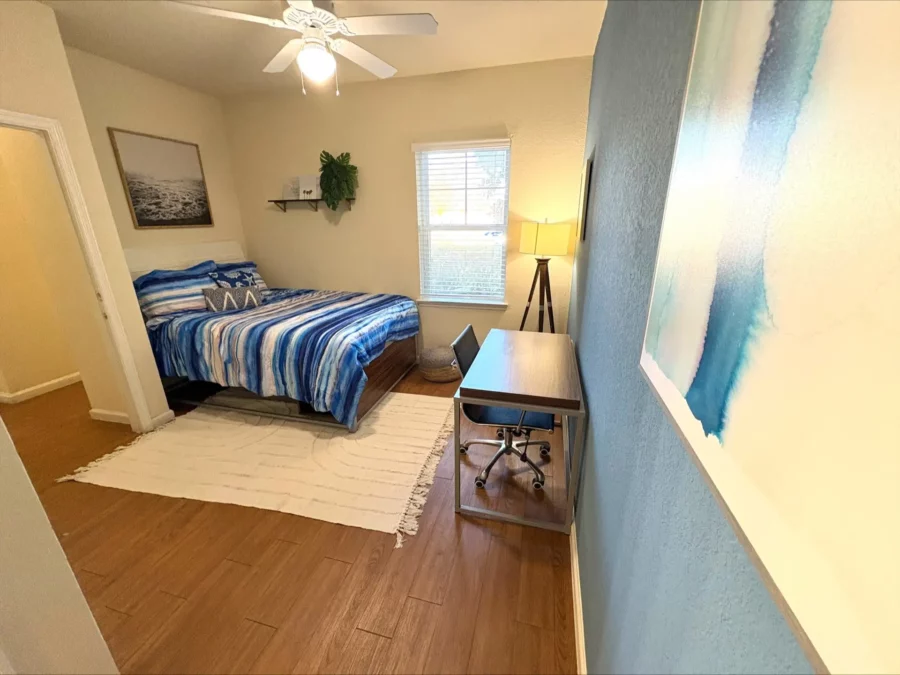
<point>52,132</point>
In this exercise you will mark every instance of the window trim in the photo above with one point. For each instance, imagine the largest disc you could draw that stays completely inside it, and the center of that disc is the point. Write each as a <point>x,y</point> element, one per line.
<point>463,145</point>
<point>466,301</point>
<point>461,302</point>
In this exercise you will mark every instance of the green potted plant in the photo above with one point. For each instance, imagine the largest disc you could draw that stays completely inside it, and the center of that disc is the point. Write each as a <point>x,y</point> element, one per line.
<point>338,178</point>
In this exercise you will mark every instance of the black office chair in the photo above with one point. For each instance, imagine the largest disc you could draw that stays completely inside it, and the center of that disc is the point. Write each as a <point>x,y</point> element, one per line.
<point>512,423</point>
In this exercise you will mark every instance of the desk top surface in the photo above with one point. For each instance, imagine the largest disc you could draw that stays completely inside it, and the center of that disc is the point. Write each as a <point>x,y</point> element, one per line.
<point>537,369</point>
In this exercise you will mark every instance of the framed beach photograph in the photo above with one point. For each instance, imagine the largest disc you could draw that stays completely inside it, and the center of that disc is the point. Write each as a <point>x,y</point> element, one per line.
<point>163,180</point>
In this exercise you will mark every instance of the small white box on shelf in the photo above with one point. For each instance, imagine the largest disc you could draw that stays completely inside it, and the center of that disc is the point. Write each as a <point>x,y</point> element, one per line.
<point>302,187</point>
<point>308,187</point>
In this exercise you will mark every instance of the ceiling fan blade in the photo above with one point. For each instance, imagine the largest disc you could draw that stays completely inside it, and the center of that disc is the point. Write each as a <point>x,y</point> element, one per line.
<point>305,5</point>
<point>327,5</point>
<point>227,14</point>
<point>285,57</point>
<point>389,24</point>
<point>363,58</point>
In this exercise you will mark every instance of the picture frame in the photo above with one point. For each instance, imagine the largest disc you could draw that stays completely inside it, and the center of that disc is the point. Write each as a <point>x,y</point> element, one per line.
<point>164,182</point>
<point>771,333</point>
<point>584,197</point>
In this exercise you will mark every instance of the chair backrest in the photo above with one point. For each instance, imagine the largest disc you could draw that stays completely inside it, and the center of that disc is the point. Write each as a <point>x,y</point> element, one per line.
<point>465,348</point>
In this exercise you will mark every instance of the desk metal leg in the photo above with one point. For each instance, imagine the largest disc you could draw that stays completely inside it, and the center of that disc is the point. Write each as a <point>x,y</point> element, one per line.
<point>575,472</point>
<point>571,459</point>
<point>456,452</point>
<point>567,463</point>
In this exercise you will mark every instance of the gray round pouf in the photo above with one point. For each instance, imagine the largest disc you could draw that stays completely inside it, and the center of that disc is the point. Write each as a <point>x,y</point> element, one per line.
<point>437,365</point>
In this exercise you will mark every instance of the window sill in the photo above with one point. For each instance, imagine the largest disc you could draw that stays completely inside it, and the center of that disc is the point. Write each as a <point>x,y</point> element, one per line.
<point>471,304</point>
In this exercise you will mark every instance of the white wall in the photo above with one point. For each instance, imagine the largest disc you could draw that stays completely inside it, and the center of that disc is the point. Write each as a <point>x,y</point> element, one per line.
<point>45,623</point>
<point>113,95</point>
<point>36,79</point>
<point>5,666</point>
<point>374,247</point>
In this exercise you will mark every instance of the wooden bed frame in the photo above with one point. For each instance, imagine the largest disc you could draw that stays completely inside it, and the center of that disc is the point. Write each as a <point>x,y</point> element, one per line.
<point>385,372</point>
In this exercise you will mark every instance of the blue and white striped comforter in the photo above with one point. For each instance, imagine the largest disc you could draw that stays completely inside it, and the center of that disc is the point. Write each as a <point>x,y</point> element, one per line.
<point>311,346</point>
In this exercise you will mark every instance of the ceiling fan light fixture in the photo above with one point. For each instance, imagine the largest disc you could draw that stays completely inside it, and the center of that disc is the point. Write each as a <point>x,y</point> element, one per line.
<point>316,62</point>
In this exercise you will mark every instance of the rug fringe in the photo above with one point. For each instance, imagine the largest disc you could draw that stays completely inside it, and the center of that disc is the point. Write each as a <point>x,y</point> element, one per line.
<point>409,521</point>
<point>110,455</point>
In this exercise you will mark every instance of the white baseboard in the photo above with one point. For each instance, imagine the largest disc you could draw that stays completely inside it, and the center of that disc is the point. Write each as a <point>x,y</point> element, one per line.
<point>38,389</point>
<point>122,418</point>
<point>109,416</point>
<point>580,650</point>
<point>161,419</point>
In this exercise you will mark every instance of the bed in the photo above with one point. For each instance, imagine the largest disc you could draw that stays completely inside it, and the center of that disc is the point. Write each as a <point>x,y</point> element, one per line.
<point>335,353</point>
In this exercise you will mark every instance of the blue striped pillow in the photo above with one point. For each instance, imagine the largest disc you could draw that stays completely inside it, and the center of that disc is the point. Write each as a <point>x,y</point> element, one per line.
<point>246,266</point>
<point>164,292</point>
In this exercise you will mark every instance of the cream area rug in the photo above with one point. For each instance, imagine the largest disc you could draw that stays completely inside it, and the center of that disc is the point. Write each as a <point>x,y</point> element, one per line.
<point>377,478</point>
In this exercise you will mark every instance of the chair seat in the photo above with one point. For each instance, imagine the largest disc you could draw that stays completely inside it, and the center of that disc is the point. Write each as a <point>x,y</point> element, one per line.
<point>493,416</point>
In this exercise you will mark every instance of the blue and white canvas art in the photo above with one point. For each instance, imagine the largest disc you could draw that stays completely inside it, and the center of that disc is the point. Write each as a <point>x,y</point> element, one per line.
<point>773,334</point>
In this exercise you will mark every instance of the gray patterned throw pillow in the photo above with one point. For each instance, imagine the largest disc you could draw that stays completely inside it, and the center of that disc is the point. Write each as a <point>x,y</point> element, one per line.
<point>225,299</point>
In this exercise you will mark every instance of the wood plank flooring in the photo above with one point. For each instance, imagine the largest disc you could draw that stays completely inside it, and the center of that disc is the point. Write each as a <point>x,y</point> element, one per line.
<point>180,586</point>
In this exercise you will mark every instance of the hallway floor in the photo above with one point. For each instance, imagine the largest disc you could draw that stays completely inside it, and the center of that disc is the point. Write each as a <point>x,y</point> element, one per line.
<point>181,586</point>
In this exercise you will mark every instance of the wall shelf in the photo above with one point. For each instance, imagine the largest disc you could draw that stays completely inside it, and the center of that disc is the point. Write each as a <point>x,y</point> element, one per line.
<point>312,203</point>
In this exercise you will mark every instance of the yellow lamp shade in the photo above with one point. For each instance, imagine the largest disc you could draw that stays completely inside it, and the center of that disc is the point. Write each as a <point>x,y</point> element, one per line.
<point>545,239</point>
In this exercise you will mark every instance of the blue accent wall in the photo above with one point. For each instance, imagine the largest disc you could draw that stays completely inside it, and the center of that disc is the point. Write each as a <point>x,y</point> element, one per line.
<point>666,586</point>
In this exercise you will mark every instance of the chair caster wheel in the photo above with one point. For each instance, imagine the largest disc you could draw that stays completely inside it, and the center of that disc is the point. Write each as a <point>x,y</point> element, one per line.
<point>545,451</point>
<point>500,434</point>
<point>479,482</point>
<point>537,484</point>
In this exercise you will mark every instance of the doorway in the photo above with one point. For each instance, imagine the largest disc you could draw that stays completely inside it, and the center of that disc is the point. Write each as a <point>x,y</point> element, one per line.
<point>51,327</point>
<point>107,367</point>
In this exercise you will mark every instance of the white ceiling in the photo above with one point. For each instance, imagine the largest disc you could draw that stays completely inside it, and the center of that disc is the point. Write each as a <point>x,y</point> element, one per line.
<point>225,57</point>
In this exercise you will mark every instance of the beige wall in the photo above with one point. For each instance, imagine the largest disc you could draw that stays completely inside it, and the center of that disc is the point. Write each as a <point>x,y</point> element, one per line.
<point>33,346</point>
<point>46,625</point>
<point>50,323</point>
<point>374,247</point>
<point>113,95</point>
<point>36,79</point>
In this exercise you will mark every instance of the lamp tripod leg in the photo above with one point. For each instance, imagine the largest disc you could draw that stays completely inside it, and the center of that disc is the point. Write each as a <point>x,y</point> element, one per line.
<point>541,306</point>
<point>530,296</point>
<point>545,281</point>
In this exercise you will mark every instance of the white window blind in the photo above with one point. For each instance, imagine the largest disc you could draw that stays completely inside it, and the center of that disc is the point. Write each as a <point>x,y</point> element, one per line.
<point>463,198</point>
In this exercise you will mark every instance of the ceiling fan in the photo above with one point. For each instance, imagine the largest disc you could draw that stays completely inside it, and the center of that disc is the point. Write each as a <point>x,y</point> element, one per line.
<point>320,36</point>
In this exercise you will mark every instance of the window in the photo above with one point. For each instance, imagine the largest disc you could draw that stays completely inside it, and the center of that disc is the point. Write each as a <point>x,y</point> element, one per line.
<point>463,197</point>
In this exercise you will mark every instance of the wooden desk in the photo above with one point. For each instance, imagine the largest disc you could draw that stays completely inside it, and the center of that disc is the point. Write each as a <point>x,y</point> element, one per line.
<point>525,368</point>
<point>527,371</point>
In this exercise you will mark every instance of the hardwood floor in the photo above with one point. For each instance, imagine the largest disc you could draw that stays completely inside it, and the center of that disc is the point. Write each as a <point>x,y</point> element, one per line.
<point>54,434</point>
<point>181,586</point>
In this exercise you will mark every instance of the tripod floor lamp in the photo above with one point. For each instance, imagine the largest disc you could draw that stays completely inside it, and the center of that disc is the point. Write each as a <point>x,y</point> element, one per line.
<point>543,240</point>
